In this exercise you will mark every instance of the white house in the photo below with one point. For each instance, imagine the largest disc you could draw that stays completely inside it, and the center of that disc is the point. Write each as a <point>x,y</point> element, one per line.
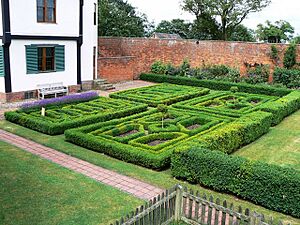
<point>44,42</point>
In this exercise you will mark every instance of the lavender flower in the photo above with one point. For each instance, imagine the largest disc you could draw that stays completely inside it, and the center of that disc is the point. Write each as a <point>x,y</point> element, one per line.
<point>61,100</point>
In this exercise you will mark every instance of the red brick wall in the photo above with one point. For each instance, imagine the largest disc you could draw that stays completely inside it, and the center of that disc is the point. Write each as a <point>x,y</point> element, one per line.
<point>146,51</point>
<point>116,69</point>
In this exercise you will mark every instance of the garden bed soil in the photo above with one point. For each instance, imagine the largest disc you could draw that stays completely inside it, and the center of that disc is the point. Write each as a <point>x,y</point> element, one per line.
<point>128,133</point>
<point>156,142</point>
<point>194,126</point>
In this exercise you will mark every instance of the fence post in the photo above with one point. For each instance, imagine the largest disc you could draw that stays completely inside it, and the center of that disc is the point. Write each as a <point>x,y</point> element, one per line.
<point>178,203</point>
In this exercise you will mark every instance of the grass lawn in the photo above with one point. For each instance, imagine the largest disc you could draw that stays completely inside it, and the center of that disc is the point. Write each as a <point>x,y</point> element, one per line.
<point>35,191</point>
<point>280,146</point>
<point>160,179</point>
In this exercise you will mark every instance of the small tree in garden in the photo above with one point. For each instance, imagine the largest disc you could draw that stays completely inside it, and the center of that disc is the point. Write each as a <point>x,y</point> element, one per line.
<point>289,59</point>
<point>234,89</point>
<point>163,109</point>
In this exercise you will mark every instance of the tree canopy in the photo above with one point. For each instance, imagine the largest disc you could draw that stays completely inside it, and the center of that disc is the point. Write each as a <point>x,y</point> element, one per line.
<point>175,26</point>
<point>230,13</point>
<point>280,31</point>
<point>119,18</point>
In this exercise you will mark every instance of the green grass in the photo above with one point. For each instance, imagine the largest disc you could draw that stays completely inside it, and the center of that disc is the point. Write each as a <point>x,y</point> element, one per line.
<point>160,179</point>
<point>280,146</point>
<point>35,191</point>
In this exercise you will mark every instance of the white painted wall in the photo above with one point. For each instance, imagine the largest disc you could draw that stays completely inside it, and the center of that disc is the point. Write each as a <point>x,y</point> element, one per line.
<point>2,85</point>
<point>21,81</point>
<point>90,36</point>
<point>1,26</point>
<point>23,14</point>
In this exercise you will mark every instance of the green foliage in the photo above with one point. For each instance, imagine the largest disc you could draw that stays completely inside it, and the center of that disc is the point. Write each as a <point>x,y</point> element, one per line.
<point>163,109</point>
<point>63,117</point>
<point>175,26</point>
<point>274,53</point>
<point>216,85</point>
<point>158,67</point>
<point>234,89</point>
<point>257,75</point>
<point>282,107</point>
<point>271,186</point>
<point>288,77</point>
<point>231,14</point>
<point>119,18</point>
<point>166,94</point>
<point>279,32</point>
<point>242,33</point>
<point>289,59</point>
<point>236,134</point>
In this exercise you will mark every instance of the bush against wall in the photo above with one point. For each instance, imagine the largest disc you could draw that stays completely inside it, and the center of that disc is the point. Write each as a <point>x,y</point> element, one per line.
<point>271,186</point>
<point>289,59</point>
<point>288,77</point>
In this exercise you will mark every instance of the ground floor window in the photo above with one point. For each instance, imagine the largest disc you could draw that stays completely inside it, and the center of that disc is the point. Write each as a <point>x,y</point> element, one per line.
<point>46,56</point>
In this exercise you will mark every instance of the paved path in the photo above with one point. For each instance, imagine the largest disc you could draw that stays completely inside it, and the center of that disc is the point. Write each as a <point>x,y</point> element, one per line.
<point>130,185</point>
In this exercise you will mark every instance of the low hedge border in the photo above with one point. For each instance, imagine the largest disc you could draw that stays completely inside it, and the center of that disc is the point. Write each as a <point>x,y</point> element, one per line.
<point>216,85</point>
<point>236,134</point>
<point>131,96</point>
<point>150,157</point>
<point>271,186</point>
<point>51,128</point>
<point>282,107</point>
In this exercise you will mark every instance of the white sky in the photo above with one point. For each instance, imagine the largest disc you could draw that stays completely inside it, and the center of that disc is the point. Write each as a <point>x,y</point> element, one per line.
<point>158,10</point>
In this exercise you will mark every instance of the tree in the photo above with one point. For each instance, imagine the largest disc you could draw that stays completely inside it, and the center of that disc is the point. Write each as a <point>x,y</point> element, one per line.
<point>280,31</point>
<point>242,33</point>
<point>231,13</point>
<point>296,40</point>
<point>289,59</point>
<point>119,18</point>
<point>163,109</point>
<point>175,26</point>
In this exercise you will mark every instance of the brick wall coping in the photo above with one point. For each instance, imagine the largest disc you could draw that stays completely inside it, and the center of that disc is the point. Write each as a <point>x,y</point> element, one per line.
<point>116,57</point>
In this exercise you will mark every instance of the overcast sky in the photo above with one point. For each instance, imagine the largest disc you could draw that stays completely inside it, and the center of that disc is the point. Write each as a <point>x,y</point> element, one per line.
<point>158,10</point>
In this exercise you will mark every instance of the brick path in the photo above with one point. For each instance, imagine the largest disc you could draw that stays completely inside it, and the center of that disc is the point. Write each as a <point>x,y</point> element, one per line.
<point>137,188</point>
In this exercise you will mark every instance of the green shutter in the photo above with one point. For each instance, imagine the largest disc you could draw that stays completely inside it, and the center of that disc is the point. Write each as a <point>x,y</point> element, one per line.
<point>32,59</point>
<point>60,58</point>
<point>1,62</point>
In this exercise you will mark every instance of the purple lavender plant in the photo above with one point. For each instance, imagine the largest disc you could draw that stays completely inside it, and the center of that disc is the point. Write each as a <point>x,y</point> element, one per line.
<point>61,100</point>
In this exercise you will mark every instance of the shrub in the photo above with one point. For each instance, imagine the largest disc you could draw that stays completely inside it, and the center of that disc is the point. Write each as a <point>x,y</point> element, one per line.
<point>271,186</point>
<point>282,107</point>
<point>158,67</point>
<point>236,134</point>
<point>289,59</point>
<point>216,85</point>
<point>259,74</point>
<point>274,53</point>
<point>288,77</point>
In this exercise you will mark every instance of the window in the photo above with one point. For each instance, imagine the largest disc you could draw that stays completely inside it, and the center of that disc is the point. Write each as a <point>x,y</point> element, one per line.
<point>46,11</point>
<point>46,59</point>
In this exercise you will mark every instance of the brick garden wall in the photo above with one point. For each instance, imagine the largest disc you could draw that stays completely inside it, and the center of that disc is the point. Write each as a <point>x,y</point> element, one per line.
<point>125,58</point>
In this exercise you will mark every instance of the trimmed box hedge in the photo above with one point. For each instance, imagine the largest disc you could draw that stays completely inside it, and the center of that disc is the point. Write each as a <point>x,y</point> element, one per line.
<point>271,186</point>
<point>62,117</point>
<point>215,85</point>
<point>108,137</point>
<point>236,134</point>
<point>161,94</point>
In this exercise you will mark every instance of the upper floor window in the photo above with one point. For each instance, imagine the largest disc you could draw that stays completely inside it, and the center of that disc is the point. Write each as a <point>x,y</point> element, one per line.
<point>46,11</point>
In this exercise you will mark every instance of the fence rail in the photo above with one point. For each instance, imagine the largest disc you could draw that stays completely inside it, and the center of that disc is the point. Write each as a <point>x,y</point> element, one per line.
<point>179,204</point>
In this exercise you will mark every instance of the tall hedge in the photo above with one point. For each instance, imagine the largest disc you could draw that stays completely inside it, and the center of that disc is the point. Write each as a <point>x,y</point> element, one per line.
<point>216,84</point>
<point>271,186</point>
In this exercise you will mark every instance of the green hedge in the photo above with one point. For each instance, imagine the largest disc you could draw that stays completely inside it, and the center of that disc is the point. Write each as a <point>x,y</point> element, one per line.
<point>236,134</point>
<point>125,152</point>
<point>216,85</point>
<point>271,186</point>
<point>282,107</point>
<point>48,127</point>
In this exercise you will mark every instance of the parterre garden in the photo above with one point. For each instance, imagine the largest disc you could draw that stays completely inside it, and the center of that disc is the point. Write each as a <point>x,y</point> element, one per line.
<point>204,123</point>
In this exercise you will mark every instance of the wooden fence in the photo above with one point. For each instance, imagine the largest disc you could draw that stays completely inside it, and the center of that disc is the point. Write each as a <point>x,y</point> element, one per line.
<point>179,204</point>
